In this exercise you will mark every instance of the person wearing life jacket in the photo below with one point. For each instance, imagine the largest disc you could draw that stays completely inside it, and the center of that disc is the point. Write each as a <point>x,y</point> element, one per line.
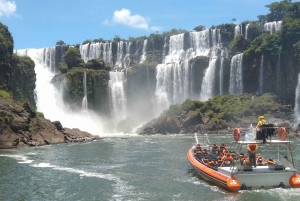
<point>211,163</point>
<point>246,160</point>
<point>223,147</point>
<point>260,162</point>
<point>270,161</point>
<point>261,122</point>
<point>204,151</point>
<point>252,156</point>
<point>219,161</point>
<point>227,158</point>
<point>197,149</point>
<point>215,149</point>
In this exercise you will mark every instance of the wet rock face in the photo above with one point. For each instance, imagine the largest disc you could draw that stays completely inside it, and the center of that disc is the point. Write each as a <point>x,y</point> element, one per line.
<point>21,126</point>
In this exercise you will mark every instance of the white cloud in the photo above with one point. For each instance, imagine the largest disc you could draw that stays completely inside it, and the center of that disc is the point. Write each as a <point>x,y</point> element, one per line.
<point>125,17</point>
<point>7,8</point>
<point>155,28</point>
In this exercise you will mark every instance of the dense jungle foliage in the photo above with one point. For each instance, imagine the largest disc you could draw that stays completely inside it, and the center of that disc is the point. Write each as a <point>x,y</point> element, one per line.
<point>221,110</point>
<point>17,76</point>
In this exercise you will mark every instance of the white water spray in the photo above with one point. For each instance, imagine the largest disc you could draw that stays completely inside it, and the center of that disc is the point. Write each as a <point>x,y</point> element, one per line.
<point>236,74</point>
<point>50,101</point>
<point>84,100</point>
<point>117,96</point>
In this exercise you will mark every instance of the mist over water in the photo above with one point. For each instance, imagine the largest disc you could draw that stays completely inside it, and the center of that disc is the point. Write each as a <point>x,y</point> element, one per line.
<point>175,80</point>
<point>49,99</point>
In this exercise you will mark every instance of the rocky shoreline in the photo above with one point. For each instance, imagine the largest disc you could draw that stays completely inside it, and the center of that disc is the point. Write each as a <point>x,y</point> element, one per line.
<point>21,126</point>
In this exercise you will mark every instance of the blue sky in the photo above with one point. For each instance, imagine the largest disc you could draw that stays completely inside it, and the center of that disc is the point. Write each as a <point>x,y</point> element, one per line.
<point>41,23</point>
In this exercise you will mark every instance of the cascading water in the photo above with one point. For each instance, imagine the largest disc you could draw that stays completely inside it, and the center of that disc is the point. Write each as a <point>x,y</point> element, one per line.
<point>84,100</point>
<point>174,83</point>
<point>208,81</point>
<point>221,71</point>
<point>272,26</point>
<point>246,32</point>
<point>237,30</point>
<point>297,103</point>
<point>261,72</point>
<point>143,57</point>
<point>120,53</point>
<point>49,99</point>
<point>97,50</point>
<point>117,96</point>
<point>236,74</point>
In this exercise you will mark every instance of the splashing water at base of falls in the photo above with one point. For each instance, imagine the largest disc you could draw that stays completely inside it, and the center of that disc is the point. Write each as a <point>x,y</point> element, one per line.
<point>49,99</point>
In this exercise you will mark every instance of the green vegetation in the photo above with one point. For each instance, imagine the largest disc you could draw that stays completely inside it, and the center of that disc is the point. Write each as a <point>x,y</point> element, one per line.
<point>4,94</point>
<point>60,42</point>
<point>72,59</point>
<point>97,64</point>
<point>23,78</point>
<point>222,110</point>
<point>199,28</point>
<point>254,30</point>
<point>6,50</point>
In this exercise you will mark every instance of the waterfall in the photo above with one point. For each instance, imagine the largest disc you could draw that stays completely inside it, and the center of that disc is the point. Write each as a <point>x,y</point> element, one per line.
<point>236,74</point>
<point>261,72</point>
<point>148,78</point>
<point>49,58</point>
<point>96,50</point>
<point>174,75</point>
<point>297,102</point>
<point>221,71</point>
<point>49,99</point>
<point>237,30</point>
<point>272,26</point>
<point>208,81</point>
<point>84,100</point>
<point>143,57</point>
<point>246,32</point>
<point>117,96</point>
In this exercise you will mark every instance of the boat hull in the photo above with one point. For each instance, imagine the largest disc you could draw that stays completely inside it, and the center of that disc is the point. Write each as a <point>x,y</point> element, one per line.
<point>214,176</point>
<point>234,180</point>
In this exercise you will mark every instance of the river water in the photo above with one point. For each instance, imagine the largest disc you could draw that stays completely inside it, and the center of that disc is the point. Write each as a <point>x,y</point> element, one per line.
<point>119,168</point>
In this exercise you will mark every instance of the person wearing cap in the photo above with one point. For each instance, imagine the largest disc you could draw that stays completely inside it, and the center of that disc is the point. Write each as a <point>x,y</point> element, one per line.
<point>252,156</point>
<point>261,122</point>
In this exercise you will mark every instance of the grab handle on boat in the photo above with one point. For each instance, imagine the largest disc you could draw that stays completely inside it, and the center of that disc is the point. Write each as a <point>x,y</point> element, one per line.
<point>196,138</point>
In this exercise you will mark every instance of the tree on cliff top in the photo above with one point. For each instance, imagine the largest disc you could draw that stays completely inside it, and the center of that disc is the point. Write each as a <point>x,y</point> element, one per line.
<point>60,42</point>
<point>199,28</point>
<point>73,58</point>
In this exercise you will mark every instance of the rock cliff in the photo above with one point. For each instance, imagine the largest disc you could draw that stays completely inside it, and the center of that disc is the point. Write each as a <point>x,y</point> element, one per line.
<point>21,125</point>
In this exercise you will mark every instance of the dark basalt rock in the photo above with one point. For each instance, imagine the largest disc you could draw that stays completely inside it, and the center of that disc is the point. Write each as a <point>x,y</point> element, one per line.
<point>20,126</point>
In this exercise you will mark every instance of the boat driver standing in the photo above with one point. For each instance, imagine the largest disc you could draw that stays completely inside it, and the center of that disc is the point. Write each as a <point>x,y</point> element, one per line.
<point>260,123</point>
<point>252,156</point>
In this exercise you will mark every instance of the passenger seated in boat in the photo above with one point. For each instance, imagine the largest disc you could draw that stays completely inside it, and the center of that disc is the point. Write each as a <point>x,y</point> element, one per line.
<point>246,161</point>
<point>233,154</point>
<point>211,163</point>
<point>241,157</point>
<point>204,151</point>
<point>270,161</point>
<point>228,159</point>
<point>260,162</point>
<point>223,153</point>
<point>197,149</point>
<point>205,161</point>
<point>222,147</point>
<point>215,149</point>
<point>219,161</point>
